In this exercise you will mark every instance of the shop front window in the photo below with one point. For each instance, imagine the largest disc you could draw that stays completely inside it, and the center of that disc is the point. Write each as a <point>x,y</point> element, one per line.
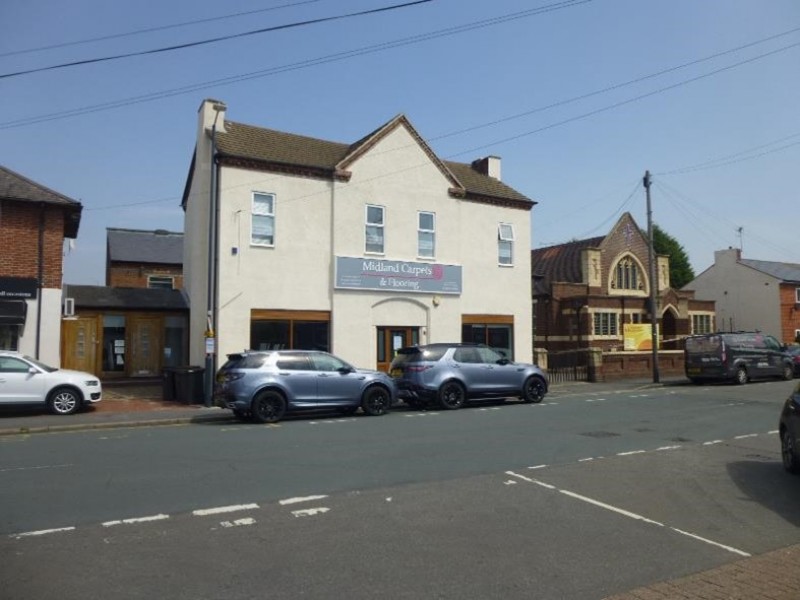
<point>114,343</point>
<point>500,337</point>
<point>9,337</point>
<point>289,334</point>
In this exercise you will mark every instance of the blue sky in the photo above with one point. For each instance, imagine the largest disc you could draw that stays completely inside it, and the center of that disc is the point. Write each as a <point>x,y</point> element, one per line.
<point>722,139</point>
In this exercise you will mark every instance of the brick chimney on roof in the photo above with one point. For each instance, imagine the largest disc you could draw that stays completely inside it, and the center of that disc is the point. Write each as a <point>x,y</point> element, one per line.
<point>489,165</point>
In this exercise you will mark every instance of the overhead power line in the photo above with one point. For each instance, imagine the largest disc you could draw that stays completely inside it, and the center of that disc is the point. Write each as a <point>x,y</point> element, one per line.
<point>114,36</point>
<point>216,39</point>
<point>292,66</point>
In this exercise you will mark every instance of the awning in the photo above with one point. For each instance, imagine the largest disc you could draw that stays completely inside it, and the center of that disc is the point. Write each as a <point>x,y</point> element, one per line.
<point>12,312</point>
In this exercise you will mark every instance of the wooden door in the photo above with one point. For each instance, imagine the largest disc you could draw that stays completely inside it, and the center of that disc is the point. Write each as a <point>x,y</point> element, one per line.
<point>80,344</point>
<point>145,334</point>
<point>390,340</point>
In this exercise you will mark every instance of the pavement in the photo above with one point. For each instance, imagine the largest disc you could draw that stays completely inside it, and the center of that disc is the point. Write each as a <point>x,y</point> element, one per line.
<point>770,576</point>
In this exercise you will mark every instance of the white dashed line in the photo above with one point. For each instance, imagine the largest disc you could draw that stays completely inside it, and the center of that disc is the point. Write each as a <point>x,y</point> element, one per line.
<point>537,467</point>
<point>627,513</point>
<point>310,512</point>
<point>667,448</point>
<point>327,421</point>
<point>712,442</point>
<point>136,520</point>
<point>631,452</point>
<point>300,499</point>
<point>585,459</point>
<point>223,509</point>
<point>42,532</point>
<point>35,468</point>
<point>773,432</point>
<point>749,435</point>
<point>595,399</point>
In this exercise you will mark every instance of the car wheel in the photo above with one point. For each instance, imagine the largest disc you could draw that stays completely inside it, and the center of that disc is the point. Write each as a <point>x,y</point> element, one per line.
<point>533,390</point>
<point>788,372</point>
<point>741,376</point>
<point>375,401</point>
<point>791,462</point>
<point>452,395</point>
<point>268,407</point>
<point>64,401</point>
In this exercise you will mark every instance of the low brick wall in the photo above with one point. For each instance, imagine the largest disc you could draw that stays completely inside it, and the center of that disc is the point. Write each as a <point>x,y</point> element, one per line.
<point>635,365</point>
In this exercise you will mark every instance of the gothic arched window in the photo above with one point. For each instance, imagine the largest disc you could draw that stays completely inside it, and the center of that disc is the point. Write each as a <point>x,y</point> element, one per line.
<point>627,275</point>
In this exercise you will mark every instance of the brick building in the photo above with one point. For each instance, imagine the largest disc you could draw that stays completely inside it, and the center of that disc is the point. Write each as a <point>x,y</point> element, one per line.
<point>34,221</point>
<point>144,259</point>
<point>595,293</point>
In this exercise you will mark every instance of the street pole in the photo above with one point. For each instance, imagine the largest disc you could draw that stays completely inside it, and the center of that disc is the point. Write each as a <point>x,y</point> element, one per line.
<point>653,280</point>
<point>210,333</point>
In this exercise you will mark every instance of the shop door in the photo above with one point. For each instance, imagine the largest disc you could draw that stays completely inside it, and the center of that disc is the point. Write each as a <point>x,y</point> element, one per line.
<point>391,339</point>
<point>145,351</point>
<point>80,345</point>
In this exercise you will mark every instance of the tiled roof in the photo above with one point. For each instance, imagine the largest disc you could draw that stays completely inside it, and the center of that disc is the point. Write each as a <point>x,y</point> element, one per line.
<point>561,263</point>
<point>95,296</point>
<point>134,245</point>
<point>277,147</point>
<point>14,186</point>
<point>787,272</point>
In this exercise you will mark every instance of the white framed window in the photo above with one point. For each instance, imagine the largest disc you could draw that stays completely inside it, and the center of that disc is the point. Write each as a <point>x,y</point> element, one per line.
<point>426,234</point>
<point>701,324</point>
<point>606,323</point>
<point>262,229</point>
<point>505,244</point>
<point>797,295</point>
<point>161,282</point>
<point>374,229</point>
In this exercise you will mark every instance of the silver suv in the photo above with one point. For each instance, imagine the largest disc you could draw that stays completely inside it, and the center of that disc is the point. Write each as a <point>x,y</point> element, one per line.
<point>451,374</point>
<point>265,385</point>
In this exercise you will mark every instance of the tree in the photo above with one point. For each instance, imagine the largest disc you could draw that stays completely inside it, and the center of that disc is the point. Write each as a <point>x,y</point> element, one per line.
<point>680,270</point>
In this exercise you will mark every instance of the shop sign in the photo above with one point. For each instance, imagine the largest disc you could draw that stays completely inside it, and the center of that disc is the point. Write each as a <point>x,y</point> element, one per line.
<point>397,276</point>
<point>17,288</point>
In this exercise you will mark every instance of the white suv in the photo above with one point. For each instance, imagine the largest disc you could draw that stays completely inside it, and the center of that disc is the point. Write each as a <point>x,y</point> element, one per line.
<point>24,380</point>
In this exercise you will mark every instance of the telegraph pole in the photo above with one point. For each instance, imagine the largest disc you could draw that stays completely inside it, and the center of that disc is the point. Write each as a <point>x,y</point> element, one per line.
<point>653,281</point>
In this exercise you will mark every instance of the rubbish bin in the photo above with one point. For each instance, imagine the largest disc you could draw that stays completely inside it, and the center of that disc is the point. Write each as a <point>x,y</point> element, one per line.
<point>189,384</point>
<point>168,384</point>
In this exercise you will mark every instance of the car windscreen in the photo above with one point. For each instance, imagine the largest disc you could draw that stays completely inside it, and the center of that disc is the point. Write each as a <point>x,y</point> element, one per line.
<point>245,361</point>
<point>703,345</point>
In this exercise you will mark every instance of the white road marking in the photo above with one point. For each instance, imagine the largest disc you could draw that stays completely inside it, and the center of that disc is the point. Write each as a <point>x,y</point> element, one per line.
<point>667,448</point>
<point>239,522</point>
<point>490,408</point>
<point>310,512</point>
<point>223,509</point>
<point>423,414</point>
<point>136,520</point>
<point>712,442</point>
<point>627,513</point>
<point>35,468</point>
<point>749,435</point>
<point>510,482</point>
<point>42,532</point>
<point>773,432</point>
<point>585,459</point>
<point>712,542</point>
<point>331,421</point>
<point>537,467</point>
<point>631,452</point>
<point>300,499</point>
<point>595,399</point>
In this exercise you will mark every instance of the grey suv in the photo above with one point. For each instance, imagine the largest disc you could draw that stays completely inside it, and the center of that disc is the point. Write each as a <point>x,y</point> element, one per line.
<point>265,385</point>
<point>451,374</point>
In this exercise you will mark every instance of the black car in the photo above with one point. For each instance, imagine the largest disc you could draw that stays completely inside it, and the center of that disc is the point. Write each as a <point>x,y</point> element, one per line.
<point>789,430</point>
<point>739,357</point>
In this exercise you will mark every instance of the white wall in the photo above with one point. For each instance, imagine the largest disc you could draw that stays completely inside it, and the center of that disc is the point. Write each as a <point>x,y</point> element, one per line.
<point>50,339</point>
<point>746,299</point>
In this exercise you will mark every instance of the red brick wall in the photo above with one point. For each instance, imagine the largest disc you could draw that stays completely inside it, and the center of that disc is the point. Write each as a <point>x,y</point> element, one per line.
<point>636,365</point>
<point>134,275</point>
<point>790,313</point>
<point>19,240</point>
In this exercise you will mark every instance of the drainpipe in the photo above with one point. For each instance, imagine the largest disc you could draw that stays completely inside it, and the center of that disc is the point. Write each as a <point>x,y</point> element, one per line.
<point>40,278</point>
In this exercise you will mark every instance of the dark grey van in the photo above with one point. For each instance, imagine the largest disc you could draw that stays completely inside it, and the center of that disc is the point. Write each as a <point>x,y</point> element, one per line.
<point>737,357</point>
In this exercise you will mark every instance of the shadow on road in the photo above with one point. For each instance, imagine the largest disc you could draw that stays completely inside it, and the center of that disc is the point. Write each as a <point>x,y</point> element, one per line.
<point>764,481</point>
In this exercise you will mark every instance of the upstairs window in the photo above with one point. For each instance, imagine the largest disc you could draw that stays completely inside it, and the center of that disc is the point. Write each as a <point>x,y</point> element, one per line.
<point>161,282</point>
<point>262,231</point>
<point>374,230</point>
<point>426,235</point>
<point>505,244</point>
<point>626,275</point>
<point>797,295</point>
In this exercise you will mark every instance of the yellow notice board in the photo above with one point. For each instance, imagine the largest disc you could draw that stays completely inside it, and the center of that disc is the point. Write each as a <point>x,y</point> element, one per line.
<point>637,336</point>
